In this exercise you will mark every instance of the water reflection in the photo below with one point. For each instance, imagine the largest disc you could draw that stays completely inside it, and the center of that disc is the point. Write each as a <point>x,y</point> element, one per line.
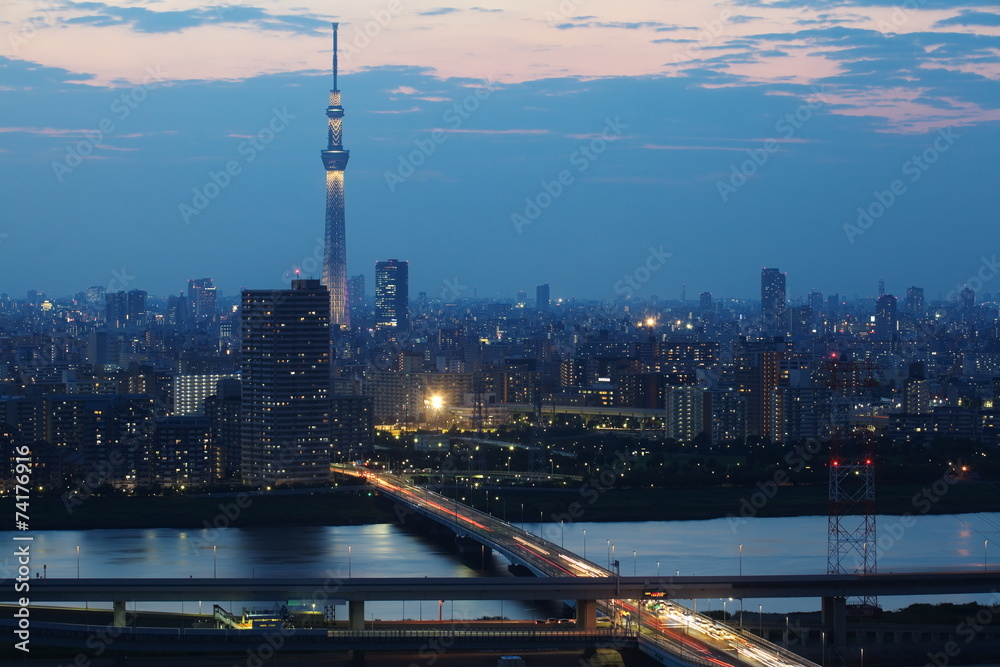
<point>769,546</point>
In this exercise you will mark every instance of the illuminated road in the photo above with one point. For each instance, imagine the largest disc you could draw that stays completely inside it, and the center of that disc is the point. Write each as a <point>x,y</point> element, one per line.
<point>662,623</point>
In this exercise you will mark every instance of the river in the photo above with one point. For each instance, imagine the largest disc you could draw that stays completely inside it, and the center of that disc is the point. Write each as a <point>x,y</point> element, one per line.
<point>796,545</point>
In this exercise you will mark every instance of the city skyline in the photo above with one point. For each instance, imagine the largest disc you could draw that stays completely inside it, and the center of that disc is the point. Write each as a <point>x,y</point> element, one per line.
<point>841,145</point>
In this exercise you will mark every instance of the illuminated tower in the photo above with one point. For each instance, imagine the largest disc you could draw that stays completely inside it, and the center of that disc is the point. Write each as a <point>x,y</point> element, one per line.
<point>335,250</point>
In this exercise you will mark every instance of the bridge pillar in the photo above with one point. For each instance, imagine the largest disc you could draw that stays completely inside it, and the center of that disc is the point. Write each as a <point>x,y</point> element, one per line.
<point>586,614</point>
<point>356,615</point>
<point>119,621</point>
<point>834,616</point>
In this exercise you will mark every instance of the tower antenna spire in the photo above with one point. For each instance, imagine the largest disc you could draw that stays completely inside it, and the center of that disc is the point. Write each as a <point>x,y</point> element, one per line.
<point>336,26</point>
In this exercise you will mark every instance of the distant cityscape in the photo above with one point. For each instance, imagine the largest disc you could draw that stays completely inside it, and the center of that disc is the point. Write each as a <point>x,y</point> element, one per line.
<point>197,389</point>
<point>126,390</point>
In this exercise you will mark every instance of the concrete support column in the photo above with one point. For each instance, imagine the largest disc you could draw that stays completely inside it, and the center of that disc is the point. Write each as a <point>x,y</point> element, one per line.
<point>835,621</point>
<point>356,615</point>
<point>586,614</point>
<point>119,621</point>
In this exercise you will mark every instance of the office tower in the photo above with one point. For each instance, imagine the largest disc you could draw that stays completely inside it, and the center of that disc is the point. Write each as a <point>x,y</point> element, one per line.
<point>833,305</point>
<point>915,301</point>
<point>800,321</point>
<point>886,317</point>
<point>542,297</point>
<point>881,286</point>
<point>705,302</point>
<point>115,309</point>
<point>816,302</point>
<point>177,310</point>
<point>966,298</point>
<point>201,299</point>
<point>95,295</point>
<point>136,307</point>
<point>772,296</point>
<point>356,289</point>
<point>522,299</point>
<point>335,249</point>
<point>392,294</point>
<point>286,385</point>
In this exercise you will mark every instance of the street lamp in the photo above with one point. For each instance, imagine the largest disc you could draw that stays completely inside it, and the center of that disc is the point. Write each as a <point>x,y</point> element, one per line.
<point>633,563</point>
<point>657,569</point>
<point>741,560</point>
<point>215,569</point>
<point>78,561</point>
<point>609,554</point>
<point>760,620</point>
<point>349,561</point>
<point>985,545</point>
<point>585,544</point>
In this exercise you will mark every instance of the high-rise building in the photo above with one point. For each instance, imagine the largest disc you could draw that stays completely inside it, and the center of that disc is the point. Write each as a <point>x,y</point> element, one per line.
<point>915,301</point>
<point>136,307</point>
<point>816,302</point>
<point>966,298</point>
<point>356,289</point>
<point>757,373</point>
<point>286,385</point>
<point>542,297</point>
<point>392,293</point>
<point>224,411</point>
<point>886,317</point>
<point>95,295</point>
<point>335,248</point>
<point>705,302</point>
<point>115,309</point>
<point>773,297</point>
<point>684,417</point>
<point>201,299</point>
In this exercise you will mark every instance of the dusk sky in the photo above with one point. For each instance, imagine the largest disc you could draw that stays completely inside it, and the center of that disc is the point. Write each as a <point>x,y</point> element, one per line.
<point>499,146</point>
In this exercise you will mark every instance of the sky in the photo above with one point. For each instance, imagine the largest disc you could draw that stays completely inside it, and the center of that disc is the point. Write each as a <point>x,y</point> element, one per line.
<point>654,147</point>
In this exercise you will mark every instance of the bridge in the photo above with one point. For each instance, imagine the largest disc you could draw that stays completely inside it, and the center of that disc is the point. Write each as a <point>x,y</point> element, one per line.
<point>548,560</point>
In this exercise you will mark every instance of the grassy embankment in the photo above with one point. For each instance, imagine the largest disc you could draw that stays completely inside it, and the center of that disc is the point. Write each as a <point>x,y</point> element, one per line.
<point>347,508</point>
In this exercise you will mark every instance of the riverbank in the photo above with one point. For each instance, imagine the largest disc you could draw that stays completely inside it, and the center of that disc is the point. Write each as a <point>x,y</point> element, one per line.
<point>338,507</point>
